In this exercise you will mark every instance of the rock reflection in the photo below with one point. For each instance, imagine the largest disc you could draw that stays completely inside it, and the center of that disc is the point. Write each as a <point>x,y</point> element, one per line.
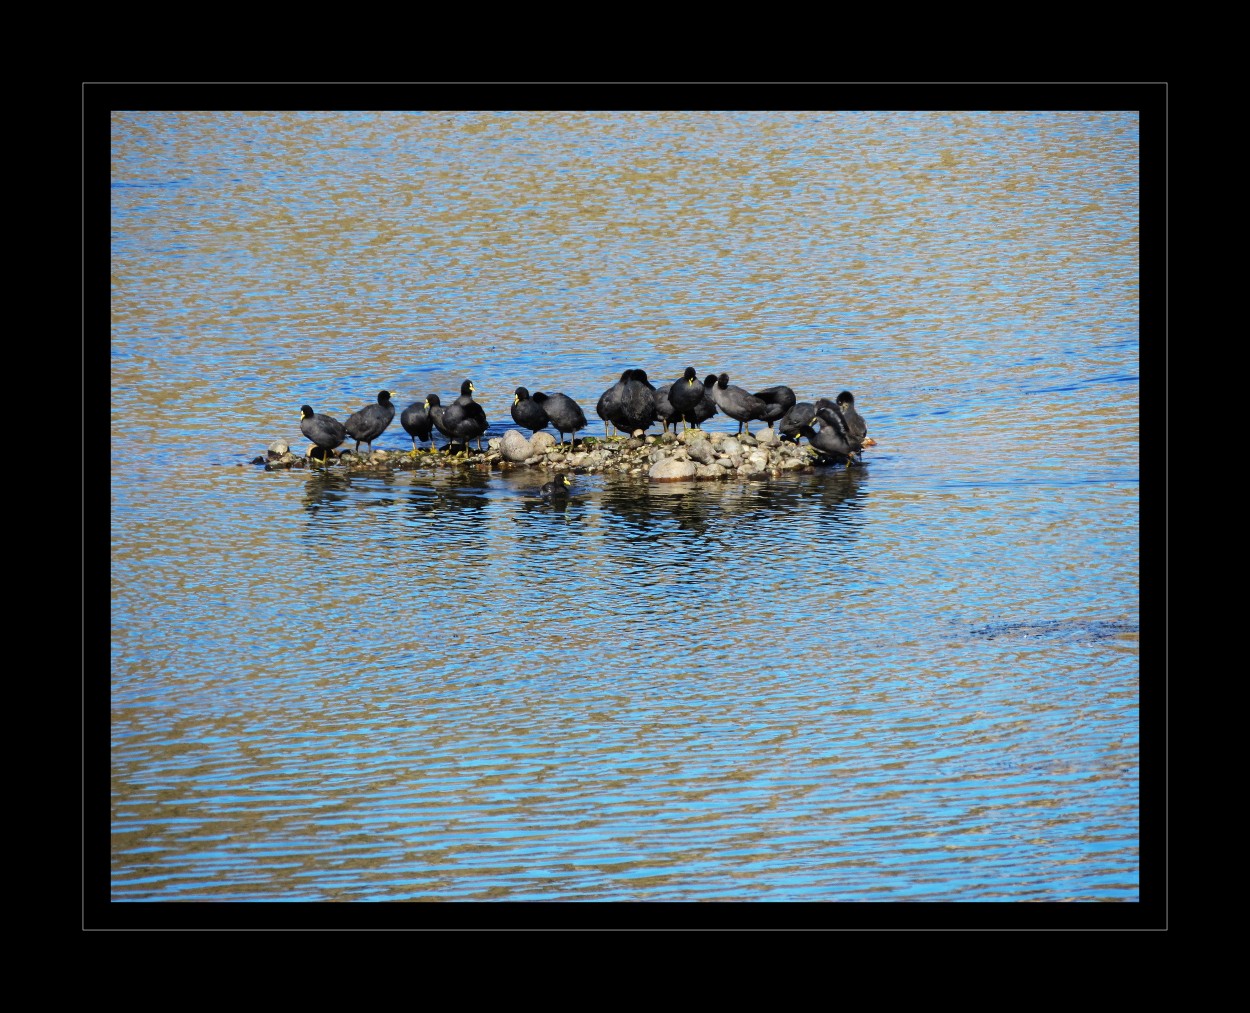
<point>326,490</point>
<point>712,510</point>
<point>649,510</point>
<point>454,493</point>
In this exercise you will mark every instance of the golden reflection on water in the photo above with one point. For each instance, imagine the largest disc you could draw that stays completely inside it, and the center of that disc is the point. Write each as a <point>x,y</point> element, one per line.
<point>434,686</point>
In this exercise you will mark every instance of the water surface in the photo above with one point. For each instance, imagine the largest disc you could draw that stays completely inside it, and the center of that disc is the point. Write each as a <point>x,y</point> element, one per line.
<point>916,680</point>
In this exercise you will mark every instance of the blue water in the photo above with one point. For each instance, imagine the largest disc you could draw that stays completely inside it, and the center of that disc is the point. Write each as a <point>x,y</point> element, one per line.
<point>915,680</point>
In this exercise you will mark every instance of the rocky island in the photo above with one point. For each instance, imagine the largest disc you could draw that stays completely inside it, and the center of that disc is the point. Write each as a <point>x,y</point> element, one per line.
<point>692,455</point>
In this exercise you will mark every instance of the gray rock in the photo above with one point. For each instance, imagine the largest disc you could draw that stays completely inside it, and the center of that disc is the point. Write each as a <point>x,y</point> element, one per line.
<point>670,470</point>
<point>672,453</point>
<point>541,442</point>
<point>730,445</point>
<point>515,447</point>
<point>701,451</point>
<point>766,436</point>
<point>277,448</point>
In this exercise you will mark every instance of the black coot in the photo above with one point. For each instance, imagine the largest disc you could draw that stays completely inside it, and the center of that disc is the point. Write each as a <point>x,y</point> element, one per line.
<point>370,422</point>
<point>737,403</point>
<point>779,400</point>
<point>833,439</point>
<point>610,399</point>
<point>686,394</point>
<point>565,414</point>
<point>528,413</point>
<point>664,408</point>
<point>417,423</point>
<point>557,489</point>
<point>325,432</point>
<point>464,422</point>
<point>854,420</point>
<point>636,410</point>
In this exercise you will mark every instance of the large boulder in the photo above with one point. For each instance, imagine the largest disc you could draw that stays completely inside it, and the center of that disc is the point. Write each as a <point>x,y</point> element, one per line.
<point>669,469</point>
<point>515,447</point>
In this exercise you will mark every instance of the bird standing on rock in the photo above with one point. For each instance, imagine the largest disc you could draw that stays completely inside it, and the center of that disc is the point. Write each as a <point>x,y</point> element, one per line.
<point>706,408</point>
<point>434,405</point>
<point>417,423</point>
<point>325,432</point>
<point>686,395</point>
<point>566,415</point>
<point>610,399</point>
<point>664,408</point>
<point>737,403</point>
<point>369,423</point>
<point>528,413</point>
<point>463,420</point>
<point>636,410</point>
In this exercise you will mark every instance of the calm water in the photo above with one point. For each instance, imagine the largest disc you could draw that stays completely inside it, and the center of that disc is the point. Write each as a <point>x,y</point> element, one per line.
<point>914,681</point>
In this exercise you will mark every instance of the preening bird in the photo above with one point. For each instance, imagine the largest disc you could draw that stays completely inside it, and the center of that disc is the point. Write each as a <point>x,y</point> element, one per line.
<point>706,408</point>
<point>779,400</point>
<point>802,414</point>
<point>834,438</point>
<point>437,410</point>
<point>854,420</point>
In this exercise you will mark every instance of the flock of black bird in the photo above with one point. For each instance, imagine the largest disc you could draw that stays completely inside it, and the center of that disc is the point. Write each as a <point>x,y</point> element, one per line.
<point>630,406</point>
